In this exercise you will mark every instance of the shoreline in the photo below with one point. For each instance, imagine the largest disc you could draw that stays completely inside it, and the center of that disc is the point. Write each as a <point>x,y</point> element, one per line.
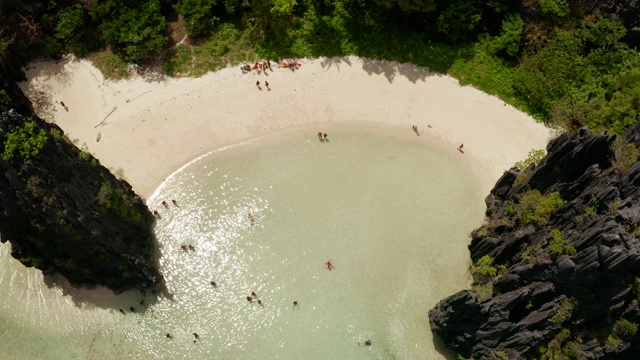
<point>147,127</point>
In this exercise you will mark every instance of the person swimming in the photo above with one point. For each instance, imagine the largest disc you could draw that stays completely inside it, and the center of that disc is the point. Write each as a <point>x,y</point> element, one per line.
<point>250,217</point>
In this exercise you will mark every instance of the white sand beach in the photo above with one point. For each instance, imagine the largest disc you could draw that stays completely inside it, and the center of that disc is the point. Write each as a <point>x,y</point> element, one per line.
<point>147,127</point>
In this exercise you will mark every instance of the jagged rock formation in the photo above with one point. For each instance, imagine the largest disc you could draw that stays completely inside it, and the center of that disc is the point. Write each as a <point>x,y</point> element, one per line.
<point>560,284</point>
<point>64,212</point>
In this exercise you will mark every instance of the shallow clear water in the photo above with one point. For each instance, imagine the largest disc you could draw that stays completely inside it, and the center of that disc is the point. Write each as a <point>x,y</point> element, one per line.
<point>390,210</point>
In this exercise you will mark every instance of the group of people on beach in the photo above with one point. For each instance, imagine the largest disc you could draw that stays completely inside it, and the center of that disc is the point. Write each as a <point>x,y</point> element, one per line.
<point>259,66</point>
<point>263,66</point>
<point>323,137</point>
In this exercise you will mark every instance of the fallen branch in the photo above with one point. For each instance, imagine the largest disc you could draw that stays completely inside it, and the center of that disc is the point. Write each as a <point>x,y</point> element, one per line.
<point>105,118</point>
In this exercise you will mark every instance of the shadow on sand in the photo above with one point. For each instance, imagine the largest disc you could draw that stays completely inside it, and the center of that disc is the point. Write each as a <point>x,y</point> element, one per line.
<point>131,301</point>
<point>390,69</point>
<point>438,344</point>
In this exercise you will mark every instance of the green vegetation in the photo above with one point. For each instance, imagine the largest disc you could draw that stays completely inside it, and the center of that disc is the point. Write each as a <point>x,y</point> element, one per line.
<point>5,100</point>
<point>227,46</point>
<point>534,157</point>
<point>531,254</point>
<point>625,328</point>
<point>484,274</point>
<point>111,65</point>
<point>108,198</point>
<point>625,156</point>
<point>484,268</point>
<point>559,245</point>
<point>612,341</point>
<point>24,142</point>
<point>542,56</point>
<point>565,310</point>
<point>560,348</point>
<point>533,208</point>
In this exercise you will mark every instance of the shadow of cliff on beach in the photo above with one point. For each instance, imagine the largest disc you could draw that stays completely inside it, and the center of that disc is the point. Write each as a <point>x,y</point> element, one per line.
<point>131,301</point>
<point>438,344</point>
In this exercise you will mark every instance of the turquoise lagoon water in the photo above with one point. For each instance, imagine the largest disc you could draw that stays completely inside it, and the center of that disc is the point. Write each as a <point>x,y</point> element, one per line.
<point>390,210</point>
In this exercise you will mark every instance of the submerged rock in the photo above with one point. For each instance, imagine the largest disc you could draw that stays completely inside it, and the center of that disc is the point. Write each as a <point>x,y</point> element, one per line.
<point>64,212</point>
<point>562,283</point>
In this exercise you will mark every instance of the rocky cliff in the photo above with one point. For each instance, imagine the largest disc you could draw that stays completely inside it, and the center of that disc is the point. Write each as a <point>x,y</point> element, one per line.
<point>557,264</point>
<point>64,212</point>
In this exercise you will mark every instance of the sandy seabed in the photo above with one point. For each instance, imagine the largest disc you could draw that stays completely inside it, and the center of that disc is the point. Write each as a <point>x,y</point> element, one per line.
<point>148,126</point>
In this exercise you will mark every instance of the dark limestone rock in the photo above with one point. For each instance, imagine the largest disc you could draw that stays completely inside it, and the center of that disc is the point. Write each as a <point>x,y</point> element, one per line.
<point>64,212</point>
<point>551,298</point>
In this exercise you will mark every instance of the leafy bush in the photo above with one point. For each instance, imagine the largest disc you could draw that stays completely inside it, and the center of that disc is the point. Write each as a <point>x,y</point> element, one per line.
<point>625,328</point>
<point>459,20</point>
<point>135,31</point>
<point>565,310</point>
<point>534,208</point>
<point>108,198</point>
<point>484,268</point>
<point>25,142</point>
<point>4,98</point>
<point>560,349</point>
<point>554,9</point>
<point>534,157</point>
<point>626,156</point>
<point>612,341</point>
<point>559,245</point>
<point>510,36</point>
<point>72,29</point>
<point>111,65</point>
<point>198,16</point>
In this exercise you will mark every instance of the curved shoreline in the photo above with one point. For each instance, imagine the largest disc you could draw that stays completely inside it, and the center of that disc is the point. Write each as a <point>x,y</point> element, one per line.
<point>160,124</point>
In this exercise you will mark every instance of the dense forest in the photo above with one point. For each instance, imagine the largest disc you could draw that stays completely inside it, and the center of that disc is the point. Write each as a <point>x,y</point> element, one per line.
<point>566,62</point>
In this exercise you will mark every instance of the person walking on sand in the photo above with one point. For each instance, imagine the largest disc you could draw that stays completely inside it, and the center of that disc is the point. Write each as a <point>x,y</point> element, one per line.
<point>266,83</point>
<point>258,84</point>
<point>415,129</point>
<point>320,136</point>
<point>460,148</point>
<point>329,265</point>
<point>325,137</point>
